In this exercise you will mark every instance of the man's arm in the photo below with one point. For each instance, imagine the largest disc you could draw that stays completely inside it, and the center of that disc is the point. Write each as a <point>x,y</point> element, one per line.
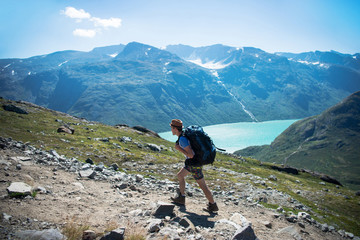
<point>187,151</point>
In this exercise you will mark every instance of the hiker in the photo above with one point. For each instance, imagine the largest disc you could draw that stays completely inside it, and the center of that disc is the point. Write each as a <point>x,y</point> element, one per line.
<point>183,145</point>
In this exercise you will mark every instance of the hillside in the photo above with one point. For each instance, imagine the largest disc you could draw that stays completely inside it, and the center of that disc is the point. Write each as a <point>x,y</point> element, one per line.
<point>138,84</point>
<point>101,177</point>
<point>328,143</point>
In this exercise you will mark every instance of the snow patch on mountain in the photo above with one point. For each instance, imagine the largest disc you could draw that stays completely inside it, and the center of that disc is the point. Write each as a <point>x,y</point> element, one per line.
<point>323,65</point>
<point>210,64</point>
<point>113,55</point>
<point>62,63</point>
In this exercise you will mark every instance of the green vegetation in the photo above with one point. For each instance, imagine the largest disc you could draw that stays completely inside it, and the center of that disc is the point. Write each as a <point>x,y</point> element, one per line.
<point>337,206</point>
<point>327,143</point>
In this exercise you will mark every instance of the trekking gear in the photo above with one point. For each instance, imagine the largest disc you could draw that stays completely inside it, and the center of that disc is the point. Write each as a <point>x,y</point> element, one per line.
<point>179,199</point>
<point>201,144</point>
<point>211,208</point>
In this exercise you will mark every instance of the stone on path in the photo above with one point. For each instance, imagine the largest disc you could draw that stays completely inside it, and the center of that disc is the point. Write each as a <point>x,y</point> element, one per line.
<point>245,233</point>
<point>19,188</point>
<point>164,209</point>
<point>53,234</point>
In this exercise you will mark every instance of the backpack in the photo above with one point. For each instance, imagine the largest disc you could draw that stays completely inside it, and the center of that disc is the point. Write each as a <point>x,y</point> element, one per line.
<point>201,144</point>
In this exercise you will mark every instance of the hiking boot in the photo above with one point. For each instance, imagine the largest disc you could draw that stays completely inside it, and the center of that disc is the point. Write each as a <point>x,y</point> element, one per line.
<point>179,199</point>
<point>211,208</point>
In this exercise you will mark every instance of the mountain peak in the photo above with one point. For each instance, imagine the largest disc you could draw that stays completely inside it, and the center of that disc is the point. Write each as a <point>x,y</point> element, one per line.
<point>136,51</point>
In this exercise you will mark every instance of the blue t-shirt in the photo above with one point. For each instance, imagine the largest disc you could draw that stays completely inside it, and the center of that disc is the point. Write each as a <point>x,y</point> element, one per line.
<point>183,142</point>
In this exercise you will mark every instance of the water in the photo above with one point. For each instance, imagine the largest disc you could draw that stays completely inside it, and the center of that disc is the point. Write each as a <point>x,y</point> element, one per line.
<point>236,136</point>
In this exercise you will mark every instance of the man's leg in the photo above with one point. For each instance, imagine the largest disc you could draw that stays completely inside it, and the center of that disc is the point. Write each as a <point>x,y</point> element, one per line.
<point>212,206</point>
<point>181,176</point>
<point>206,190</point>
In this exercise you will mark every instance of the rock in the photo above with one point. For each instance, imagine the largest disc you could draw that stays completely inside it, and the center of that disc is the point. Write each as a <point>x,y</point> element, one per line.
<point>169,233</point>
<point>153,147</point>
<point>53,234</point>
<point>302,225</point>
<point>139,178</point>
<point>186,223</point>
<point>115,166</point>
<point>65,130</point>
<point>164,209</point>
<point>145,130</point>
<point>291,230</point>
<point>304,215</point>
<point>268,224</point>
<point>330,179</point>
<point>154,225</point>
<point>87,173</point>
<point>239,219</point>
<point>7,217</point>
<point>226,224</point>
<point>125,139</point>
<point>100,167</point>
<point>245,233</point>
<point>291,218</point>
<point>117,234</point>
<point>286,169</point>
<point>13,108</point>
<point>90,161</point>
<point>19,189</point>
<point>89,235</point>
<point>272,178</point>
<point>324,227</point>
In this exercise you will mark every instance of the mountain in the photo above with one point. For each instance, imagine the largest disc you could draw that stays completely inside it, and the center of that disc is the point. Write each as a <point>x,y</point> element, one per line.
<point>138,84</point>
<point>328,143</point>
<point>279,86</point>
<point>142,85</point>
<point>102,169</point>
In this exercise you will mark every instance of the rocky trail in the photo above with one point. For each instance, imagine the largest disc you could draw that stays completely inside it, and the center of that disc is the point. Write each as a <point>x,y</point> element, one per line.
<point>69,191</point>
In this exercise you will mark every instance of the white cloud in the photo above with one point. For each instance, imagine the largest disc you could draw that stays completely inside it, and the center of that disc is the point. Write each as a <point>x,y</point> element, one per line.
<point>74,13</point>
<point>90,33</point>
<point>99,23</point>
<point>105,23</point>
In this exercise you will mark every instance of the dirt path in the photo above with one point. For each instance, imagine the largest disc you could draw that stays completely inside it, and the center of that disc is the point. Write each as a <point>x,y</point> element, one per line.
<point>99,205</point>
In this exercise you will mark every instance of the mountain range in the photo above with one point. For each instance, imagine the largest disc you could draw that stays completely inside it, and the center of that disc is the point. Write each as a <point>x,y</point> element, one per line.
<point>328,143</point>
<point>138,84</point>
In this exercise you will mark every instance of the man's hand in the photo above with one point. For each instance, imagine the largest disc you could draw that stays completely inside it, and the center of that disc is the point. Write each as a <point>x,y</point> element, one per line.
<point>177,147</point>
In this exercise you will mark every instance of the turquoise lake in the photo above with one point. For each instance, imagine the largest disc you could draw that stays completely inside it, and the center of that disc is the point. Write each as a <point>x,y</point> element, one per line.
<point>236,136</point>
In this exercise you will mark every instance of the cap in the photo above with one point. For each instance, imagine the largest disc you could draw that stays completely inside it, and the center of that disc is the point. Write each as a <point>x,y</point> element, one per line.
<point>176,123</point>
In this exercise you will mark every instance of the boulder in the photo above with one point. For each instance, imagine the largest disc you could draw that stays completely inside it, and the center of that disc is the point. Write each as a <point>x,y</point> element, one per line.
<point>87,173</point>
<point>19,189</point>
<point>245,233</point>
<point>145,130</point>
<point>13,108</point>
<point>65,130</point>
<point>286,169</point>
<point>164,209</point>
<point>89,235</point>
<point>154,225</point>
<point>330,179</point>
<point>117,234</point>
<point>53,234</point>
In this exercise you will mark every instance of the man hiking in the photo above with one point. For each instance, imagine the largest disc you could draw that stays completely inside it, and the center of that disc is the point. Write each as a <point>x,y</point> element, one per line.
<point>183,145</point>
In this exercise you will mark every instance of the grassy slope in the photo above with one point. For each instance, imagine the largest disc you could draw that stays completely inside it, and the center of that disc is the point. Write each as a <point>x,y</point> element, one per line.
<point>335,206</point>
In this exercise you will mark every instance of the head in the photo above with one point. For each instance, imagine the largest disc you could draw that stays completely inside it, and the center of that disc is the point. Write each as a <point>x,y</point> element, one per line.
<point>176,126</point>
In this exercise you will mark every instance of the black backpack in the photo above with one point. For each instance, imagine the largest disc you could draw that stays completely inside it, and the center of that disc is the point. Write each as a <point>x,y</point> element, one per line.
<point>202,145</point>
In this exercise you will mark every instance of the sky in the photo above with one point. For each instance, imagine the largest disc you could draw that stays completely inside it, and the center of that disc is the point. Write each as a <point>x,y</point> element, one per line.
<point>36,27</point>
